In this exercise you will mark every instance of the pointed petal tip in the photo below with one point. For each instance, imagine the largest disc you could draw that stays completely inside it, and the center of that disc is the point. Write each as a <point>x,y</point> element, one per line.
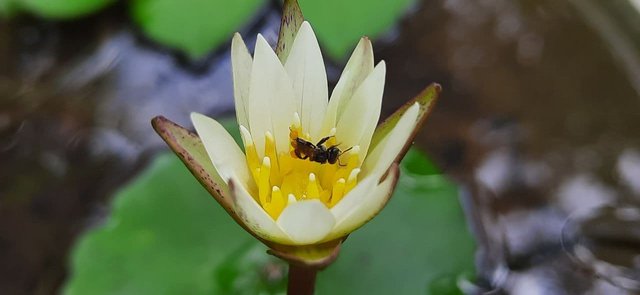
<point>382,64</point>
<point>194,115</point>
<point>199,118</point>
<point>261,40</point>
<point>237,40</point>
<point>379,71</point>
<point>437,87</point>
<point>157,120</point>
<point>366,45</point>
<point>162,125</point>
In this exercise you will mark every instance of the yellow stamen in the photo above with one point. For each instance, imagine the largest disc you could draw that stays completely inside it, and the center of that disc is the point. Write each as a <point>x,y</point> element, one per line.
<point>283,178</point>
<point>313,191</point>
<point>337,193</point>
<point>292,199</point>
<point>264,186</point>
<point>352,180</point>
<point>276,204</point>
<point>270,151</point>
<point>250,151</point>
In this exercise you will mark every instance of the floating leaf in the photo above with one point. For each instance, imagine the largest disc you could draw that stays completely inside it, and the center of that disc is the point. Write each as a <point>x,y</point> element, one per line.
<point>193,26</point>
<point>7,8</point>
<point>339,24</point>
<point>63,8</point>
<point>419,237</point>
<point>166,235</point>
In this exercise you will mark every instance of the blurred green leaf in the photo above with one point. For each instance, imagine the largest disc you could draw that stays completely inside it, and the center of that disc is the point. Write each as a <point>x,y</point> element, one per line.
<point>417,163</point>
<point>445,285</point>
<point>63,8</point>
<point>7,8</point>
<point>250,271</point>
<point>193,26</point>
<point>339,24</point>
<point>419,237</point>
<point>166,235</point>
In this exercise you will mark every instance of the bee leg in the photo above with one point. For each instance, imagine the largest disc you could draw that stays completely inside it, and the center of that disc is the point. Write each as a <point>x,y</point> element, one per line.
<point>345,150</point>
<point>342,153</point>
<point>324,140</point>
<point>340,163</point>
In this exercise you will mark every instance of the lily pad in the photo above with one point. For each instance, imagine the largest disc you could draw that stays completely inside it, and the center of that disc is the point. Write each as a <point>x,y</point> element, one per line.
<point>339,24</point>
<point>166,235</point>
<point>62,9</point>
<point>7,8</point>
<point>193,26</point>
<point>418,238</point>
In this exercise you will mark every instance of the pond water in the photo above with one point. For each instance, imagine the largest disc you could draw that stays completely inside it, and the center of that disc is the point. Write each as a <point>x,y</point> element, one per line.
<point>539,123</point>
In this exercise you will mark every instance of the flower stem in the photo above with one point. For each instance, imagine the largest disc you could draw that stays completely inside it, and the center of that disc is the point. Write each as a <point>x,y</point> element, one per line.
<point>302,280</point>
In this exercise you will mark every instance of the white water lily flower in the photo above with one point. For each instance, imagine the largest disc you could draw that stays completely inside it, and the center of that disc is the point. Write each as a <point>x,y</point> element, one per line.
<point>275,193</point>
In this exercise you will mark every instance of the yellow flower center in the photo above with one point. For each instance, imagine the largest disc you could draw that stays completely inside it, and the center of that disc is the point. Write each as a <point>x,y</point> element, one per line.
<point>282,178</point>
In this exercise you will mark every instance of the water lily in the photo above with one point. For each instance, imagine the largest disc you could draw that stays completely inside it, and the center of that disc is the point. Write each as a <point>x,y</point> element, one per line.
<point>282,195</point>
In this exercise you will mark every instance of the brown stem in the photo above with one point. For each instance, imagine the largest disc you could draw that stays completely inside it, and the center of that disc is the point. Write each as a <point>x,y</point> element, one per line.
<point>302,280</point>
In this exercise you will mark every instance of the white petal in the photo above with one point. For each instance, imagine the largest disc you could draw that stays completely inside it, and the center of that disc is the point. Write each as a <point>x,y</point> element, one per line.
<point>392,144</point>
<point>306,70</point>
<point>359,66</point>
<point>306,222</point>
<point>360,117</point>
<point>223,151</point>
<point>353,198</point>
<point>271,104</point>
<point>241,67</point>
<point>369,205</point>
<point>254,217</point>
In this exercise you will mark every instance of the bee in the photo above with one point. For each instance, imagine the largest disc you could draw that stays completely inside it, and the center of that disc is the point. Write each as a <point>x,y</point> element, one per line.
<point>318,152</point>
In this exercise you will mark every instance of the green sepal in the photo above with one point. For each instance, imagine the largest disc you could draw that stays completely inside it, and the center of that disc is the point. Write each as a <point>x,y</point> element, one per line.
<point>292,19</point>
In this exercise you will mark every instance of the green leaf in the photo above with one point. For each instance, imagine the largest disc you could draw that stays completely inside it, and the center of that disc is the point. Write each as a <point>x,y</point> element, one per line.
<point>193,26</point>
<point>418,238</point>
<point>7,8</point>
<point>339,24</point>
<point>63,9</point>
<point>166,235</point>
<point>417,163</point>
<point>250,271</point>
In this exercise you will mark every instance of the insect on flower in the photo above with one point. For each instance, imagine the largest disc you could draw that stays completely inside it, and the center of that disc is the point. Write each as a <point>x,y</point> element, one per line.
<point>317,152</point>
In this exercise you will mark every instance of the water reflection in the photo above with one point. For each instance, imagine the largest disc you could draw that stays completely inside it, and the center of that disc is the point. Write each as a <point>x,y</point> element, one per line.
<point>538,120</point>
<point>605,242</point>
